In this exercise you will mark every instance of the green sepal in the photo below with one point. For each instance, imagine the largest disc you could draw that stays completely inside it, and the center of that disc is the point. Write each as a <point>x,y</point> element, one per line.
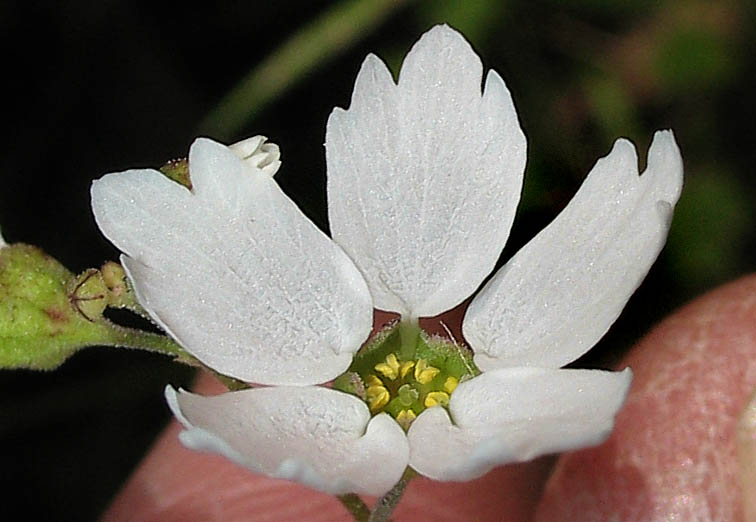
<point>384,342</point>
<point>407,343</point>
<point>454,359</point>
<point>178,171</point>
<point>350,382</point>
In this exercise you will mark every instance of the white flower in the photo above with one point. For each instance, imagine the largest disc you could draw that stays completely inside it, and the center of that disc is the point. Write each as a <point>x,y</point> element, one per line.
<point>423,182</point>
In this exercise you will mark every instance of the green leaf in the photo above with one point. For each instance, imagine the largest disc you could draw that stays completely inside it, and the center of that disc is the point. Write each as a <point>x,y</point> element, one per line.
<point>476,20</point>
<point>178,171</point>
<point>705,245</point>
<point>694,58</point>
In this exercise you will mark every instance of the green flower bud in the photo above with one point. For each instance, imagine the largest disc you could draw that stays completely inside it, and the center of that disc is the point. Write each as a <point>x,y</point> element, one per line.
<point>178,171</point>
<point>47,314</point>
<point>120,294</point>
<point>350,382</point>
<point>88,294</point>
<point>39,326</point>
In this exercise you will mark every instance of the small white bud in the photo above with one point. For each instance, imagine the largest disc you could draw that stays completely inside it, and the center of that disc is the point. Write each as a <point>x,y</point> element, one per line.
<point>261,155</point>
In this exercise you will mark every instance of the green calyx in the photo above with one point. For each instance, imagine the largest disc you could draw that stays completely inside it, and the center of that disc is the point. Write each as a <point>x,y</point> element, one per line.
<point>402,371</point>
<point>178,171</point>
<point>46,311</point>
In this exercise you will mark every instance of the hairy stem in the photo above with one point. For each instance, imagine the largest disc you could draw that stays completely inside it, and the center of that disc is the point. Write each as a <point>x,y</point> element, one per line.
<point>356,507</point>
<point>388,502</point>
<point>139,339</point>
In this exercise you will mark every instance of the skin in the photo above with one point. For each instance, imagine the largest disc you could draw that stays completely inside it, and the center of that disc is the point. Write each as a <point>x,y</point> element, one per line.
<point>672,455</point>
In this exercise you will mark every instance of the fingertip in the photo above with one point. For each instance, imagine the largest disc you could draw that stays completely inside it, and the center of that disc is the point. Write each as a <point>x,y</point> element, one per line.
<point>672,454</point>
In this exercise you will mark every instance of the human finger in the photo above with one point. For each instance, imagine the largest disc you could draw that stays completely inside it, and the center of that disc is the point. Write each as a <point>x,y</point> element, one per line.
<point>672,455</point>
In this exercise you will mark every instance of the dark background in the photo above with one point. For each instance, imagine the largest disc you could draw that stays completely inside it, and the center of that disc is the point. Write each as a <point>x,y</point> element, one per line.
<point>98,86</point>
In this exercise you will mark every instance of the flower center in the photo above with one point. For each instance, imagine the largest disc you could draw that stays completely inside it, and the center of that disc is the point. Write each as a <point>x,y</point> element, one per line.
<point>402,371</point>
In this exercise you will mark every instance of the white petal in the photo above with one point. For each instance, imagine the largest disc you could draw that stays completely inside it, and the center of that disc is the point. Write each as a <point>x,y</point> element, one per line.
<point>514,415</point>
<point>234,271</point>
<point>316,436</point>
<point>424,176</point>
<point>559,294</point>
<point>258,153</point>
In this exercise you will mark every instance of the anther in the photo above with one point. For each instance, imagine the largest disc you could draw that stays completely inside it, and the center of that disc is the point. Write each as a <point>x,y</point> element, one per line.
<point>450,384</point>
<point>390,368</point>
<point>436,399</point>
<point>377,397</point>
<point>425,373</point>
<point>405,418</point>
<point>405,367</point>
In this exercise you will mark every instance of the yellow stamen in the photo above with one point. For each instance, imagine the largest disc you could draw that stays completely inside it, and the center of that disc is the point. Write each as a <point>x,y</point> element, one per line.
<point>405,368</point>
<point>425,373</point>
<point>405,418</point>
<point>390,368</point>
<point>372,380</point>
<point>436,399</point>
<point>377,397</point>
<point>450,384</point>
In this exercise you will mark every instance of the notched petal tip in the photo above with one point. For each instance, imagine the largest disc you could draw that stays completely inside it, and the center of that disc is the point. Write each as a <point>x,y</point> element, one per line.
<point>382,438</point>
<point>374,82</point>
<point>440,45</point>
<point>424,175</point>
<point>592,256</point>
<point>316,436</point>
<point>201,145</point>
<point>514,415</point>
<point>198,439</point>
<point>496,88</point>
<point>372,65</point>
<point>201,263</point>
<point>623,158</point>
<point>296,470</point>
<point>665,161</point>
<point>497,100</point>
<point>112,200</point>
<point>203,441</point>
<point>171,397</point>
<point>442,35</point>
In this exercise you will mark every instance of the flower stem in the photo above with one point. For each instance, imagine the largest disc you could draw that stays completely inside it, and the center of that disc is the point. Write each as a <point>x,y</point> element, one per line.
<point>122,337</point>
<point>132,338</point>
<point>388,502</point>
<point>356,507</point>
